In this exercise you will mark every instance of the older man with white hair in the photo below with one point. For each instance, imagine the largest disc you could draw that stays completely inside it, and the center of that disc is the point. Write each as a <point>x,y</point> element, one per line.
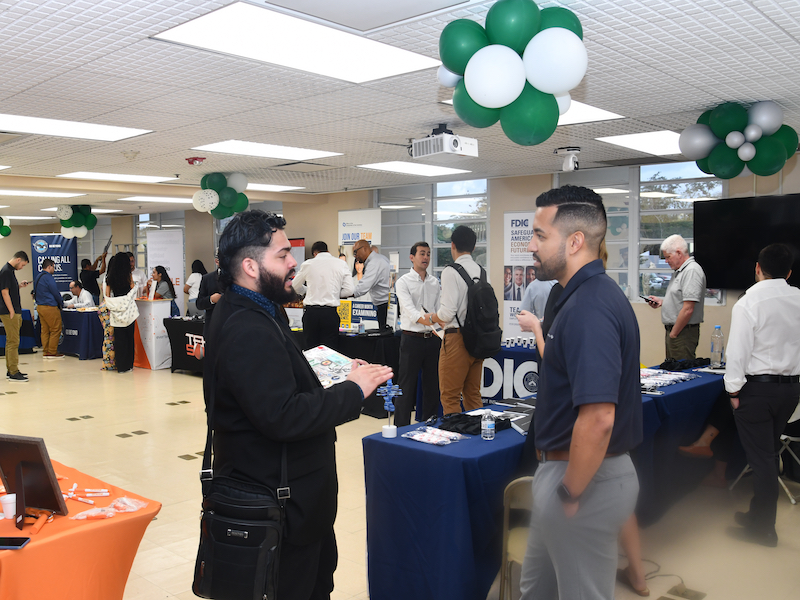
<point>682,306</point>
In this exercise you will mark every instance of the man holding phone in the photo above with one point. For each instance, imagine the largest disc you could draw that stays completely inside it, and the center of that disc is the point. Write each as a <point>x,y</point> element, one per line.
<point>11,313</point>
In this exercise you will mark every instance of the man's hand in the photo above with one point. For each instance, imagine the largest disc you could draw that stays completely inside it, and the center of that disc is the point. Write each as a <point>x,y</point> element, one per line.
<point>570,509</point>
<point>654,302</point>
<point>368,377</point>
<point>735,402</point>
<point>529,322</point>
<point>215,298</point>
<point>23,283</point>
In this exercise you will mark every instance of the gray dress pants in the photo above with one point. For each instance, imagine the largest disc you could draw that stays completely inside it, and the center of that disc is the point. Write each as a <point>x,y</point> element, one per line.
<point>576,558</point>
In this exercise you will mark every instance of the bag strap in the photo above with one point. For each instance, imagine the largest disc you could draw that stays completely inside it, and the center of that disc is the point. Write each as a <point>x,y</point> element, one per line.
<point>207,473</point>
<point>36,286</point>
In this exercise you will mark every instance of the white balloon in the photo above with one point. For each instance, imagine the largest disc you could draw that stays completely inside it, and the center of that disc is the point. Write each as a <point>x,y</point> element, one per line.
<point>237,181</point>
<point>555,60</point>
<point>734,139</point>
<point>205,200</point>
<point>64,212</point>
<point>68,232</point>
<point>494,76</point>
<point>80,231</point>
<point>745,172</point>
<point>746,151</point>
<point>752,133</point>
<point>697,141</point>
<point>564,102</point>
<point>767,115</point>
<point>447,78</point>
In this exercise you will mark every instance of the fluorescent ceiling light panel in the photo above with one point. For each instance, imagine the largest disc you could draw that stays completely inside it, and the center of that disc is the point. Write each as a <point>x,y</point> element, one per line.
<point>39,194</point>
<point>69,129</point>
<point>265,150</point>
<point>583,113</point>
<point>42,218</point>
<point>396,206</point>
<point>4,167</point>
<point>95,211</point>
<point>407,168</point>
<point>660,143</point>
<point>117,177</point>
<point>657,195</point>
<point>166,199</point>
<point>267,187</point>
<point>610,191</point>
<point>450,102</point>
<point>253,32</point>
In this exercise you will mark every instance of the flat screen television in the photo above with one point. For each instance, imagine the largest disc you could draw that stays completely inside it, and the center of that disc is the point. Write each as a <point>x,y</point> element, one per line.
<point>729,234</point>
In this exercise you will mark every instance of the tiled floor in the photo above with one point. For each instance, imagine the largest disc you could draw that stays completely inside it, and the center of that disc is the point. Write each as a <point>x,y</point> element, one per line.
<point>690,541</point>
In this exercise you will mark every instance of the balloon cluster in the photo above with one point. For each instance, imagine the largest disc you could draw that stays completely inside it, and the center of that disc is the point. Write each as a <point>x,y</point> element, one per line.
<point>518,70</point>
<point>730,140</point>
<point>220,195</point>
<point>76,220</point>
<point>5,230</point>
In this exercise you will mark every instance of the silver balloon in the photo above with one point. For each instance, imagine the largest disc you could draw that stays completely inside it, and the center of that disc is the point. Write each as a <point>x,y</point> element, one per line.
<point>745,172</point>
<point>734,139</point>
<point>752,133</point>
<point>697,141</point>
<point>746,151</point>
<point>447,78</point>
<point>767,115</point>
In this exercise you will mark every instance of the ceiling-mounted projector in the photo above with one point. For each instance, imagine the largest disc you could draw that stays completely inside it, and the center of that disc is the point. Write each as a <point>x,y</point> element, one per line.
<point>443,141</point>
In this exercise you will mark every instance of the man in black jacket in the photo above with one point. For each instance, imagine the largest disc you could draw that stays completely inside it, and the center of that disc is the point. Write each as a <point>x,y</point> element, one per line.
<point>209,293</point>
<point>266,395</point>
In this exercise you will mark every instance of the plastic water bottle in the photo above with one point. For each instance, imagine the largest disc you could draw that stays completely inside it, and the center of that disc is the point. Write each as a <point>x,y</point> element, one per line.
<point>487,425</point>
<point>717,347</point>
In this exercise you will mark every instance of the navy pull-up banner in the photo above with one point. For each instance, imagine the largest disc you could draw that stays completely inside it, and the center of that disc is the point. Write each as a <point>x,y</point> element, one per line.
<point>62,251</point>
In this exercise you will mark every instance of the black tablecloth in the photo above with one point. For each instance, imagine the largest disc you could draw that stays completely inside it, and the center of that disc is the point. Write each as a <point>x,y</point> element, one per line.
<point>83,334</point>
<point>186,343</point>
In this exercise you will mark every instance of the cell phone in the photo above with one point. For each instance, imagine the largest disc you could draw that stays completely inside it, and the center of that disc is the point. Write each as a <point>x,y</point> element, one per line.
<point>646,299</point>
<point>13,543</point>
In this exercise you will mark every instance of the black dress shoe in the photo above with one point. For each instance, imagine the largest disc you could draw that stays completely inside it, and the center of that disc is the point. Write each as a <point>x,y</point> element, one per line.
<point>744,519</point>
<point>755,536</point>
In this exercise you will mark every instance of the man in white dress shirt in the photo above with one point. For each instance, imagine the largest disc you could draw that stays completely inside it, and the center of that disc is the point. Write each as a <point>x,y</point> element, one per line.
<point>761,378</point>
<point>418,293</point>
<point>81,298</point>
<point>376,279</point>
<point>459,372</point>
<point>323,279</point>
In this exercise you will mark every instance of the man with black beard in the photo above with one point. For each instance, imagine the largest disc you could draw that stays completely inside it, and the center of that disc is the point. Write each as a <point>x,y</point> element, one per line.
<point>267,398</point>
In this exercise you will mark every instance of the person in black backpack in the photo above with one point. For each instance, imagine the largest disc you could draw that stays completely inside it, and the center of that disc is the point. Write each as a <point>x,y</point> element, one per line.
<point>470,318</point>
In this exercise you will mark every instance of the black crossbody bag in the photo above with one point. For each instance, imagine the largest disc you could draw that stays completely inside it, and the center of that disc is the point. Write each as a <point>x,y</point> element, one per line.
<point>241,528</point>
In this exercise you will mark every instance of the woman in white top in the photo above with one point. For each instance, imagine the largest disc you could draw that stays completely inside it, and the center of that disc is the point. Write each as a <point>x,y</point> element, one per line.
<point>192,288</point>
<point>120,293</point>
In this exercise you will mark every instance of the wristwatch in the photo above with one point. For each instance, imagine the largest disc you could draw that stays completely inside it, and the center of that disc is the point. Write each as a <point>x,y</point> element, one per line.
<point>565,496</point>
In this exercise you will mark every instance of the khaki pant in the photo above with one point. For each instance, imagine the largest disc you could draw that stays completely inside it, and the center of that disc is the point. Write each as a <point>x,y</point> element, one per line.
<point>459,375</point>
<point>684,345</point>
<point>50,318</point>
<point>12,326</point>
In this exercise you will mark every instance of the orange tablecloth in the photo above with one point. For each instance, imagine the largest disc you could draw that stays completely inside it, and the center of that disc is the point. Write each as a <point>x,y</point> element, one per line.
<point>80,560</point>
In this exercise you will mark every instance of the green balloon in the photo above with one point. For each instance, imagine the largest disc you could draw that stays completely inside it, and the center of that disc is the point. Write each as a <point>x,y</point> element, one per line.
<point>727,117</point>
<point>788,137</point>
<point>216,182</point>
<point>770,156</point>
<point>241,203</point>
<point>530,119</point>
<point>77,219</point>
<point>461,39</point>
<point>222,211</point>
<point>703,119</point>
<point>84,209</point>
<point>66,223</point>
<point>555,16</point>
<point>724,162</point>
<point>513,23</point>
<point>204,182</point>
<point>228,196</point>
<point>91,221</point>
<point>470,111</point>
<point>702,164</point>
<point>5,231</point>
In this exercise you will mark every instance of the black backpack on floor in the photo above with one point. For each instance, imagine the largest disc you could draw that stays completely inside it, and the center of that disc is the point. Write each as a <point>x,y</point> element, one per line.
<point>481,328</point>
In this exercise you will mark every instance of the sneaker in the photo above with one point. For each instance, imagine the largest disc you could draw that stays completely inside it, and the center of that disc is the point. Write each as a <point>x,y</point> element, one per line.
<point>17,377</point>
<point>53,356</point>
<point>9,374</point>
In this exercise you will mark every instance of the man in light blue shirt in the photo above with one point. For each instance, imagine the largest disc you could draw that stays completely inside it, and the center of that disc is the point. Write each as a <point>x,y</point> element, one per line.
<point>375,280</point>
<point>49,303</point>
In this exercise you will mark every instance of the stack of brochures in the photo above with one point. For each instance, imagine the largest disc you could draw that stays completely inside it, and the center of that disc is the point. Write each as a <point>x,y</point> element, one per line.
<point>329,366</point>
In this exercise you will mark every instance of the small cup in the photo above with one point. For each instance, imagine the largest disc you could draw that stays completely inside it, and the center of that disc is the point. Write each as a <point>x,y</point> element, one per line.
<point>9,502</point>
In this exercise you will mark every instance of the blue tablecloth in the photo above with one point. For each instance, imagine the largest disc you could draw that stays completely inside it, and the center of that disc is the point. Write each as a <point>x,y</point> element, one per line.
<point>434,515</point>
<point>83,334</point>
<point>511,373</point>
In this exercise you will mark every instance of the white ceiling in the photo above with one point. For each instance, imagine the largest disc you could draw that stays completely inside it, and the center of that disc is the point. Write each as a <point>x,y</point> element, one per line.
<point>660,63</point>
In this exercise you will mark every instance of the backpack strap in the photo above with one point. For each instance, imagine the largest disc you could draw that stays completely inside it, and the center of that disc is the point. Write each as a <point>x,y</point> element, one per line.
<point>465,276</point>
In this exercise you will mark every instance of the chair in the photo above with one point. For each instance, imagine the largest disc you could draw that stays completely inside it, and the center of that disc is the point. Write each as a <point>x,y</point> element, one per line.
<point>785,441</point>
<point>517,495</point>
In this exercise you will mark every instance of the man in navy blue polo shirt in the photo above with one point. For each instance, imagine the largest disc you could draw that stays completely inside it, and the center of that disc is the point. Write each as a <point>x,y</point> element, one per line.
<point>589,407</point>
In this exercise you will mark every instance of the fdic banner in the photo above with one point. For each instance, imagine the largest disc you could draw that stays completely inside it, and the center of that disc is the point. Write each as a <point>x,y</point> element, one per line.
<point>62,251</point>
